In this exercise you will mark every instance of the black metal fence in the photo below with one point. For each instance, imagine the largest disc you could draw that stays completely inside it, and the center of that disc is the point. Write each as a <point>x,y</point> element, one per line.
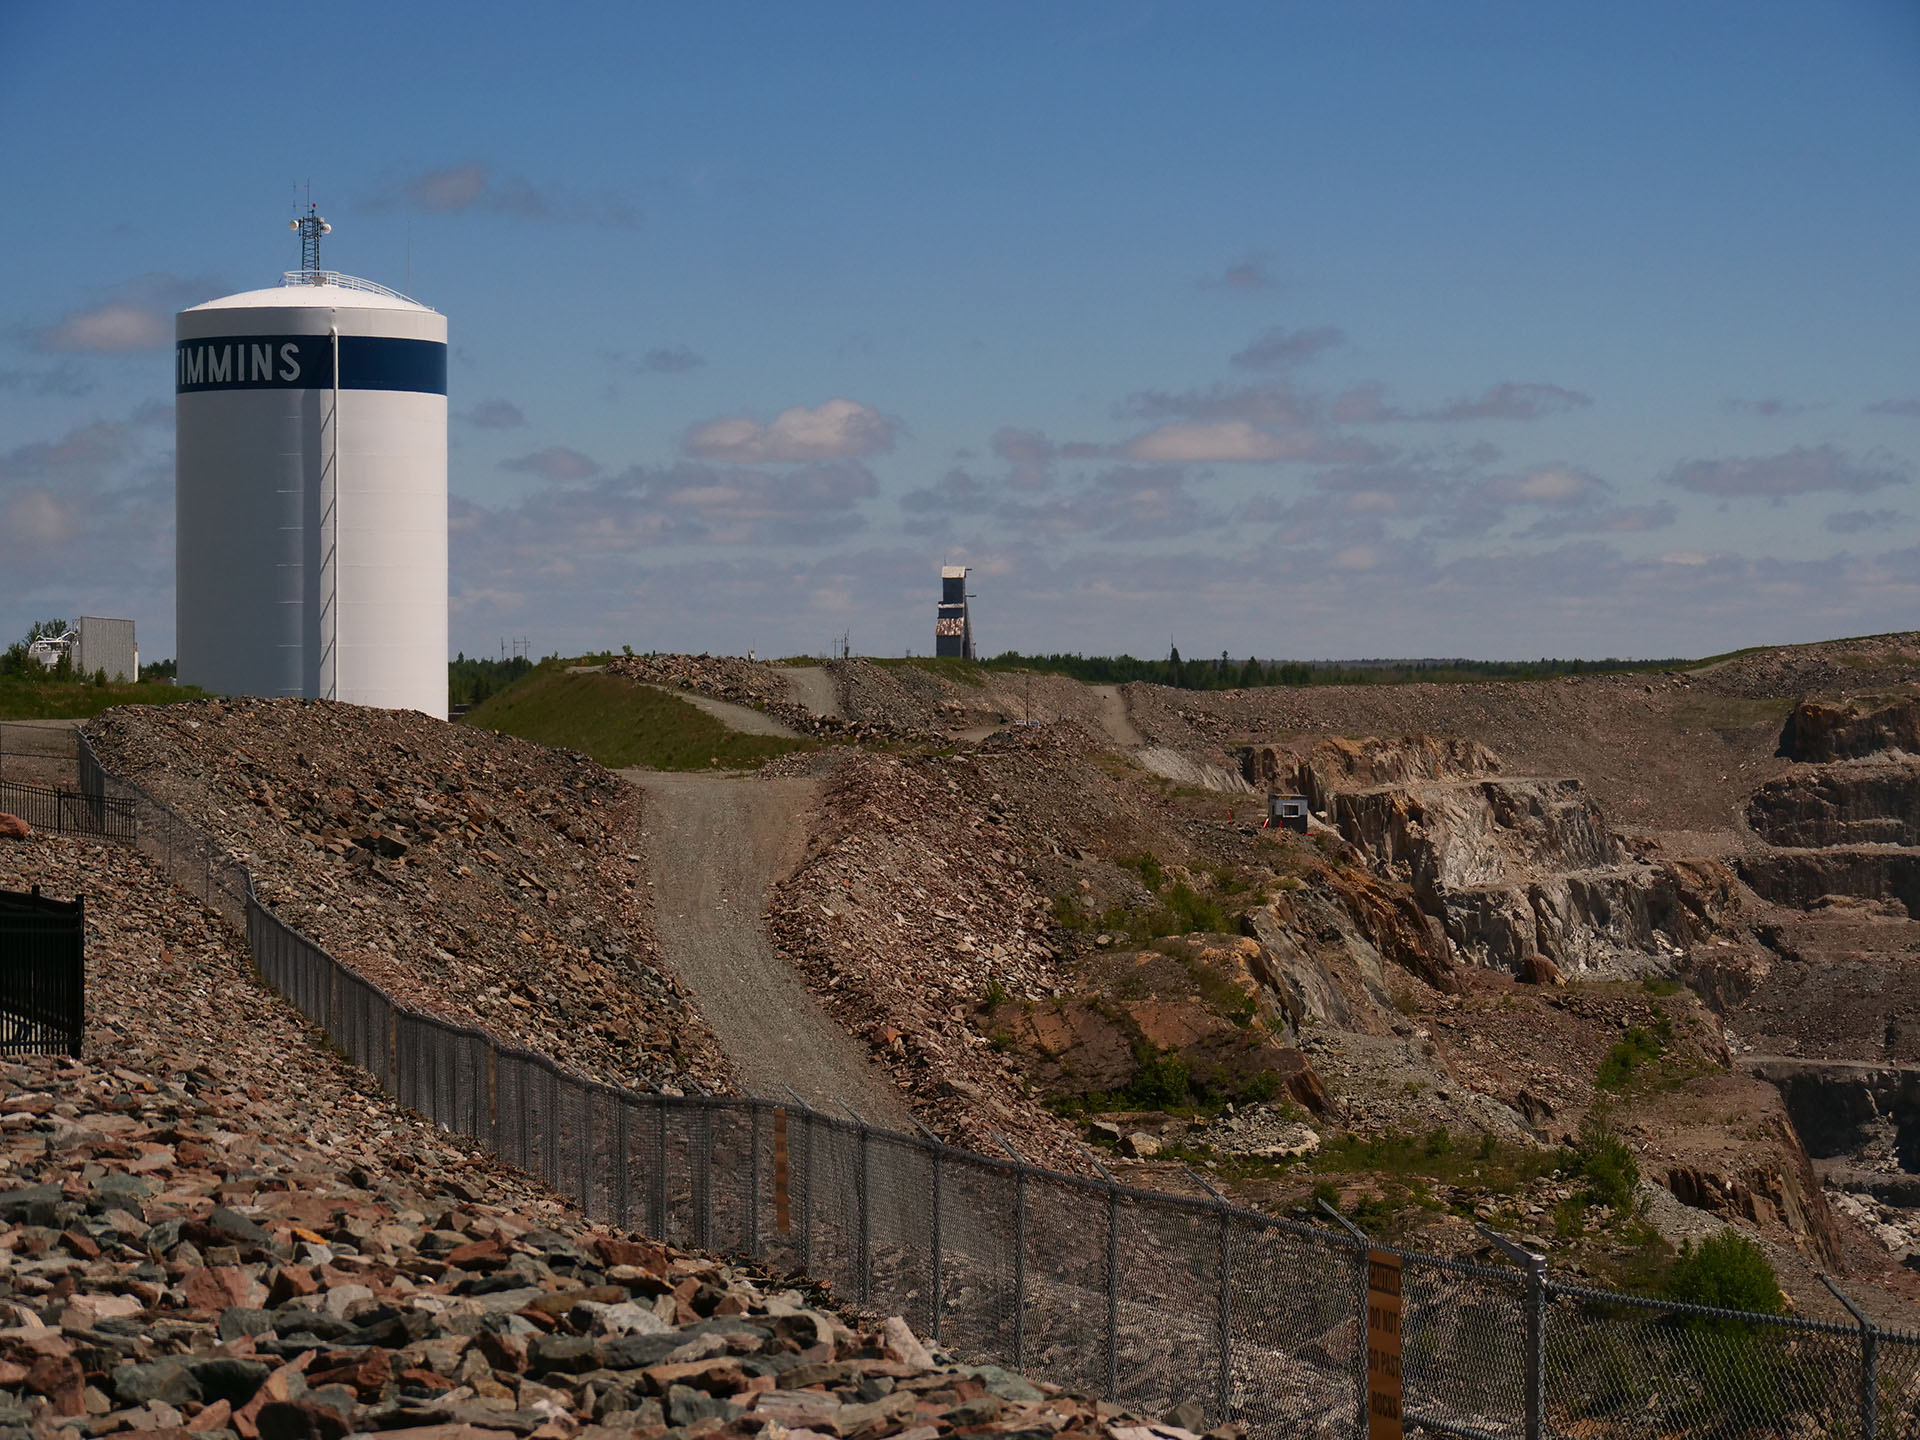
<point>69,812</point>
<point>42,974</point>
<point>1147,1298</point>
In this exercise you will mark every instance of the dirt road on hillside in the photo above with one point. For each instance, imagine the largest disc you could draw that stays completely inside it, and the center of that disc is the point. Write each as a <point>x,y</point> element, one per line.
<point>743,718</point>
<point>812,686</point>
<point>1114,718</point>
<point>715,846</point>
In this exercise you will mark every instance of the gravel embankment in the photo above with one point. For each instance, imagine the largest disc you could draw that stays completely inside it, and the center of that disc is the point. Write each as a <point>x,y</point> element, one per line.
<point>477,876</point>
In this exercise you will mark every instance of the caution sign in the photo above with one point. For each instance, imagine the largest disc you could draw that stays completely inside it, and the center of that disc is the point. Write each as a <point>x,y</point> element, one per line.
<point>782,1214</point>
<point>1383,1346</point>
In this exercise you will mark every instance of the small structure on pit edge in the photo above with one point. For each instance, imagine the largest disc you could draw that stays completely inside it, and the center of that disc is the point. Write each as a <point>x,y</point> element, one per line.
<point>1287,812</point>
<point>953,629</point>
<point>98,646</point>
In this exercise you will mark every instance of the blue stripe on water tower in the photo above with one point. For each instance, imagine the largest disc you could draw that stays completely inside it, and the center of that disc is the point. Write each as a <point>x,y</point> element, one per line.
<point>305,362</point>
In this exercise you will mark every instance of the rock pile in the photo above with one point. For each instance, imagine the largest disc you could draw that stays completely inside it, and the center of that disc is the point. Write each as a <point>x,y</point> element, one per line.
<point>217,1231</point>
<point>470,874</point>
<point>910,904</point>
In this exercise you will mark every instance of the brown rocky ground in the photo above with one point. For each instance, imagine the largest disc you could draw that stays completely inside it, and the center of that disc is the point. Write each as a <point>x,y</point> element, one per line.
<point>474,875</point>
<point>1402,1041</point>
<point>211,1228</point>
<point>1059,934</point>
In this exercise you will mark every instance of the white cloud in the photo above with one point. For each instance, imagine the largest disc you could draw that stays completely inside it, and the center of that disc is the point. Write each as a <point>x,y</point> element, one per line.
<point>555,463</point>
<point>669,360</point>
<point>1547,485</point>
<point>1510,400</point>
<point>117,328</point>
<point>1247,275</point>
<point>837,430</point>
<point>1277,348</point>
<point>1799,471</point>
<point>474,187</point>
<point>494,415</point>
<point>137,316</point>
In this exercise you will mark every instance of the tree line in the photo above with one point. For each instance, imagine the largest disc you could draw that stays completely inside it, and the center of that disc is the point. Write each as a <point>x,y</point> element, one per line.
<point>1226,673</point>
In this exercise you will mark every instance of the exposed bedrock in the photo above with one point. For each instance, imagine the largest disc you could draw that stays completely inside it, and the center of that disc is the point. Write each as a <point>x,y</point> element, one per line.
<point>1484,832</point>
<point>1804,878</point>
<point>1339,765</point>
<point>1622,920</point>
<point>1819,730</point>
<point>1847,804</point>
<point>1851,1110</point>
<point>1525,867</point>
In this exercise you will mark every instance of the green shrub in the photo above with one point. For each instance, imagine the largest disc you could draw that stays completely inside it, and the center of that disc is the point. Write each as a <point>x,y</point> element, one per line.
<point>1629,1057</point>
<point>1150,871</point>
<point>1606,1164</point>
<point>1728,1272</point>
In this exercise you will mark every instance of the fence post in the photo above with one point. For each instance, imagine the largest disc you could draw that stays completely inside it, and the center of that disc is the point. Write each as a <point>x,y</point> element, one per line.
<point>1869,1364</point>
<point>753,1181</point>
<point>806,1198</point>
<point>702,1147</point>
<point>1020,1270</point>
<point>1226,1313</point>
<point>863,1194</point>
<point>586,1147</point>
<point>1536,1361</point>
<point>1113,1291</point>
<point>620,1201</point>
<point>939,1245</point>
<point>657,1198</point>
<point>1536,1346</point>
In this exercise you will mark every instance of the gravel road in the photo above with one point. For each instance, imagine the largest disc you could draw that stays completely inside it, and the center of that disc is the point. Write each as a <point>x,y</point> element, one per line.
<point>715,845</point>
<point>813,687</point>
<point>1114,718</point>
<point>743,718</point>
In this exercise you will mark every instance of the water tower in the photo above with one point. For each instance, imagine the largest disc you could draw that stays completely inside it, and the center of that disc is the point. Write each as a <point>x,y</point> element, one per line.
<point>311,463</point>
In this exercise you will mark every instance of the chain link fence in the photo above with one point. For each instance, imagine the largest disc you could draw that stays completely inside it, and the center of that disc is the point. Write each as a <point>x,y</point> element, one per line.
<point>1145,1298</point>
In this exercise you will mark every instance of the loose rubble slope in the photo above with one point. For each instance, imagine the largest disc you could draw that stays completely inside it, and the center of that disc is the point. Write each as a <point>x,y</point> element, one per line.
<point>480,877</point>
<point>213,1229</point>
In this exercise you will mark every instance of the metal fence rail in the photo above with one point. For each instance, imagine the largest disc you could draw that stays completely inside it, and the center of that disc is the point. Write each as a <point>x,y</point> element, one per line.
<point>1134,1295</point>
<point>69,812</point>
<point>42,974</point>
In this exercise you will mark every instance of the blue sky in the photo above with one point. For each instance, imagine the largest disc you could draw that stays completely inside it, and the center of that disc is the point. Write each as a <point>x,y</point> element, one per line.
<point>1287,329</point>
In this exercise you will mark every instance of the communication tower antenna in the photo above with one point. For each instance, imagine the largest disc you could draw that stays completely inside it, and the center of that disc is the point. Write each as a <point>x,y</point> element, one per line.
<point>311,226</point>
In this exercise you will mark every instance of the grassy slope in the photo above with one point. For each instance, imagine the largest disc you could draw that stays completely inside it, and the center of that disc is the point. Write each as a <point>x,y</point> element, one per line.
<point>55,700</point>
<point>620,724</point>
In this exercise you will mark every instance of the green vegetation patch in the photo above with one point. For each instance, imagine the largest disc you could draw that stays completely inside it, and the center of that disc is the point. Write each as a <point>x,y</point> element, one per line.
<point>471,679</point>
<point>1177,909</point>
<point>621,724</point>
<point>1164,1080</point>
<point>1728,1272</point>
<point>1630,1058</point>
<point>30,691</point>
<point>29,699</point>
<point>1484,1161</point>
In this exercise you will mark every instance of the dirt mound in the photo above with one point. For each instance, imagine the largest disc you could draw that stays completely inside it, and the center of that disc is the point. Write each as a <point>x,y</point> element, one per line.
<point>1827,667</point>
<point>474,875</point>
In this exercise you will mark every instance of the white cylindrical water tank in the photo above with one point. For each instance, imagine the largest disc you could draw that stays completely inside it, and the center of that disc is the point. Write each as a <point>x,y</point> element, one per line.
<point>311,465</point>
